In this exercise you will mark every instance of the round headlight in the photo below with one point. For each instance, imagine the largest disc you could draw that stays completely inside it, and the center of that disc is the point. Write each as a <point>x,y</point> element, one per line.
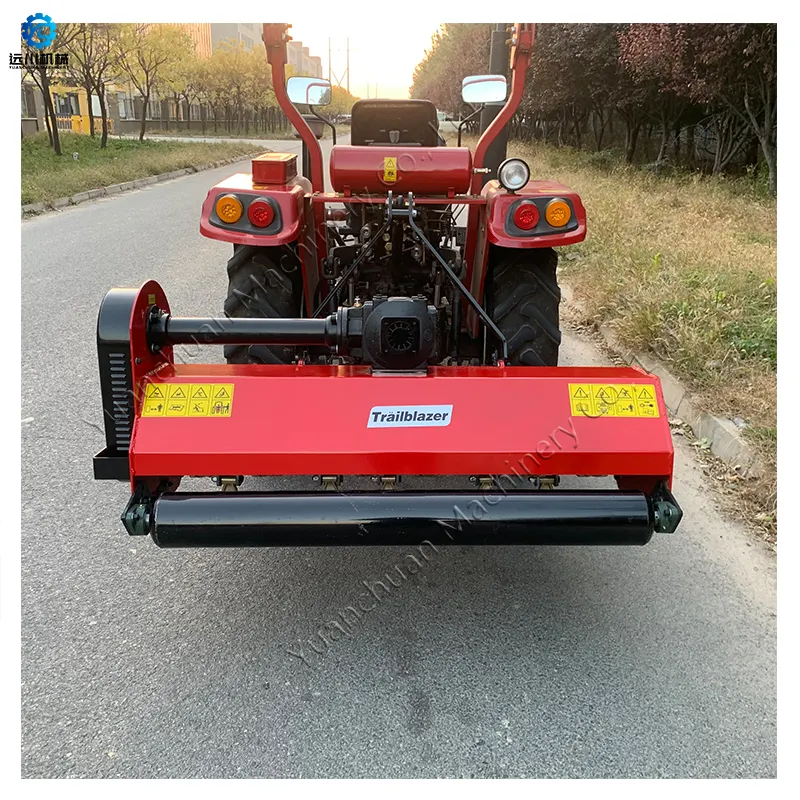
<point>513,174</point>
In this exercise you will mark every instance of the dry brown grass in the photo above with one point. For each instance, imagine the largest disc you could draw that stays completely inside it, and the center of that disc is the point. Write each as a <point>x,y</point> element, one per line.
<point>684,266</point>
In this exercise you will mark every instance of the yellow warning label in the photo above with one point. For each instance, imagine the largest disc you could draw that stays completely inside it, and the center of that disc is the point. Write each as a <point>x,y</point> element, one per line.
<point>188,400</point>
<point>199,408</point>
<point>154,408</point>
<point>155,391</point>
<point>390,169</point>
<point>613,400</point>
<point>580,397</point>
<point>178,391</point>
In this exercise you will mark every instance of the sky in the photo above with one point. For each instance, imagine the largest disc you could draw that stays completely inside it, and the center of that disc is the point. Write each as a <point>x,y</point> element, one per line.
<point>383,50</point>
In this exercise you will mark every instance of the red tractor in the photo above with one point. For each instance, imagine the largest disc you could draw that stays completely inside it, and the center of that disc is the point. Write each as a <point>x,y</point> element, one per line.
<point>373,343</point>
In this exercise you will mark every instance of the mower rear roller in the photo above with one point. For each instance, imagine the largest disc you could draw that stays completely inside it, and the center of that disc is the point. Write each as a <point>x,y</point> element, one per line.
<point>252,519</point>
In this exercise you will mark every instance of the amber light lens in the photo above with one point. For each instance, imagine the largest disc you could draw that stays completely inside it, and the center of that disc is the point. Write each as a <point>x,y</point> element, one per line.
<point>260,213</point>
<point>229,208</point>
<point>526,216</point>
<point>557,213</point>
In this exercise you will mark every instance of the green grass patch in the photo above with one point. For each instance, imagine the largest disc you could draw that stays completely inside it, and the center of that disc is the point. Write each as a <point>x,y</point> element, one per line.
<point>46,176</point>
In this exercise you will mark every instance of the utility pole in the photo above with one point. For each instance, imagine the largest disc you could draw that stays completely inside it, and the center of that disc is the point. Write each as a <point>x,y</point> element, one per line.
<point>329,59</point>
<point>348,64</point>
<point>498,65</point>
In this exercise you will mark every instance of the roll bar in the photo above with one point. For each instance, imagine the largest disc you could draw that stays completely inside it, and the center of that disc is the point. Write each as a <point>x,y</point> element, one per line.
<point>275,38</point>
<point>522,35</point>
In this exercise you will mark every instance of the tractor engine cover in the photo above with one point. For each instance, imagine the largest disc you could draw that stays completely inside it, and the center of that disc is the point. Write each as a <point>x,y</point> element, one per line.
<point>399,333</point>
<point>401,169</point>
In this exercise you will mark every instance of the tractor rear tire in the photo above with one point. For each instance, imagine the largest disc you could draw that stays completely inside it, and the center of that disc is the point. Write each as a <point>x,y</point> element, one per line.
<point>523,299</point>
<point>262,282</point>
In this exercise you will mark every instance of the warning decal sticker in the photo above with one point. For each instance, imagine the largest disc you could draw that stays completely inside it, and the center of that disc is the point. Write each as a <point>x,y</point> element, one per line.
<point>390,170</point>
<point>613,400</point>
<point>188,400</point>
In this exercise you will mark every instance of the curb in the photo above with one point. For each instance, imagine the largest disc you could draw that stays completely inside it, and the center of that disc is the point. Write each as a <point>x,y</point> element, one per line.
<point>33,209</point>
<point>724,438</point>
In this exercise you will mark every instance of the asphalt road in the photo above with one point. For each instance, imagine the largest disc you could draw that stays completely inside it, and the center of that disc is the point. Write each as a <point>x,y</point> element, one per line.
<point>494,662</point>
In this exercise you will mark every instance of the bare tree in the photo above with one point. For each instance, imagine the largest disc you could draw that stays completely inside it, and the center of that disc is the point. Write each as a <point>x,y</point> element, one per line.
<point>39,64</point>
<point>93,63</point>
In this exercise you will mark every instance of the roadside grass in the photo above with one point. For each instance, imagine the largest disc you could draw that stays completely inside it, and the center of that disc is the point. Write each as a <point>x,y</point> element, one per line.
<point>46,176</point>
<point>341,130</point>
<point>684,266</point>
<point>218,134</point>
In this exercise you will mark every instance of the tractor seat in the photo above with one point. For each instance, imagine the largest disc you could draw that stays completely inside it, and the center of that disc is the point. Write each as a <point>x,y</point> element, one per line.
<point>400,122</point>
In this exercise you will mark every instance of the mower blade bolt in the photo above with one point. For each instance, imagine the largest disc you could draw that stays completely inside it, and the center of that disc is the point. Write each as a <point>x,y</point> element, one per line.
<point>544,481</point>
<point>331,482</point>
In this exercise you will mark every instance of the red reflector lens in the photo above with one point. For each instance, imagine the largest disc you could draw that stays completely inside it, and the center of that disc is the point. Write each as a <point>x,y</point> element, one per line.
<point>260,213</point>
<point>526,216</point>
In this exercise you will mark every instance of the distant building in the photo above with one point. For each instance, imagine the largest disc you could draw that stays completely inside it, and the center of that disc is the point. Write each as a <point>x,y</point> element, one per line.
<point>248,33</point>
<point>301,61</point>
<point>201,36</point>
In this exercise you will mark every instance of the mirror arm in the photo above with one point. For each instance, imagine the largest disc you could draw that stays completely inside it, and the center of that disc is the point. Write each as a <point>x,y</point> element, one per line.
<point>442,142</point>
<point>467,119</point>
<point>319,116</point>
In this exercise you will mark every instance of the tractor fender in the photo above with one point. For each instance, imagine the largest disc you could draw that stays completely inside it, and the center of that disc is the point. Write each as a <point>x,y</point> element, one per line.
<point>288,201</point>
<point>492,224</point>
<point>500,204</point>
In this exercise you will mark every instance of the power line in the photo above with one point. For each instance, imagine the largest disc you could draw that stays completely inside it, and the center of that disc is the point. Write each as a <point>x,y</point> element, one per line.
<point>346,74</point>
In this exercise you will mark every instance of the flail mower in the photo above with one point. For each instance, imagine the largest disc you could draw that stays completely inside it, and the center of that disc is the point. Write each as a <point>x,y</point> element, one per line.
<point>373,343</point>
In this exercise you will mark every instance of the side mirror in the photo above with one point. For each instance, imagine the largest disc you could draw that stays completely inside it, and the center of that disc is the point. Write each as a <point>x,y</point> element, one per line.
<point>483,89</point>
<point>309,91</point>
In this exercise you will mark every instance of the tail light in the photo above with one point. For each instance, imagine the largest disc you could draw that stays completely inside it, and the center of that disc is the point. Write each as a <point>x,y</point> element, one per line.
<point>260,213</point>
<point>526,216</point>
<point>557,213</point>
<point>229,208</point>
